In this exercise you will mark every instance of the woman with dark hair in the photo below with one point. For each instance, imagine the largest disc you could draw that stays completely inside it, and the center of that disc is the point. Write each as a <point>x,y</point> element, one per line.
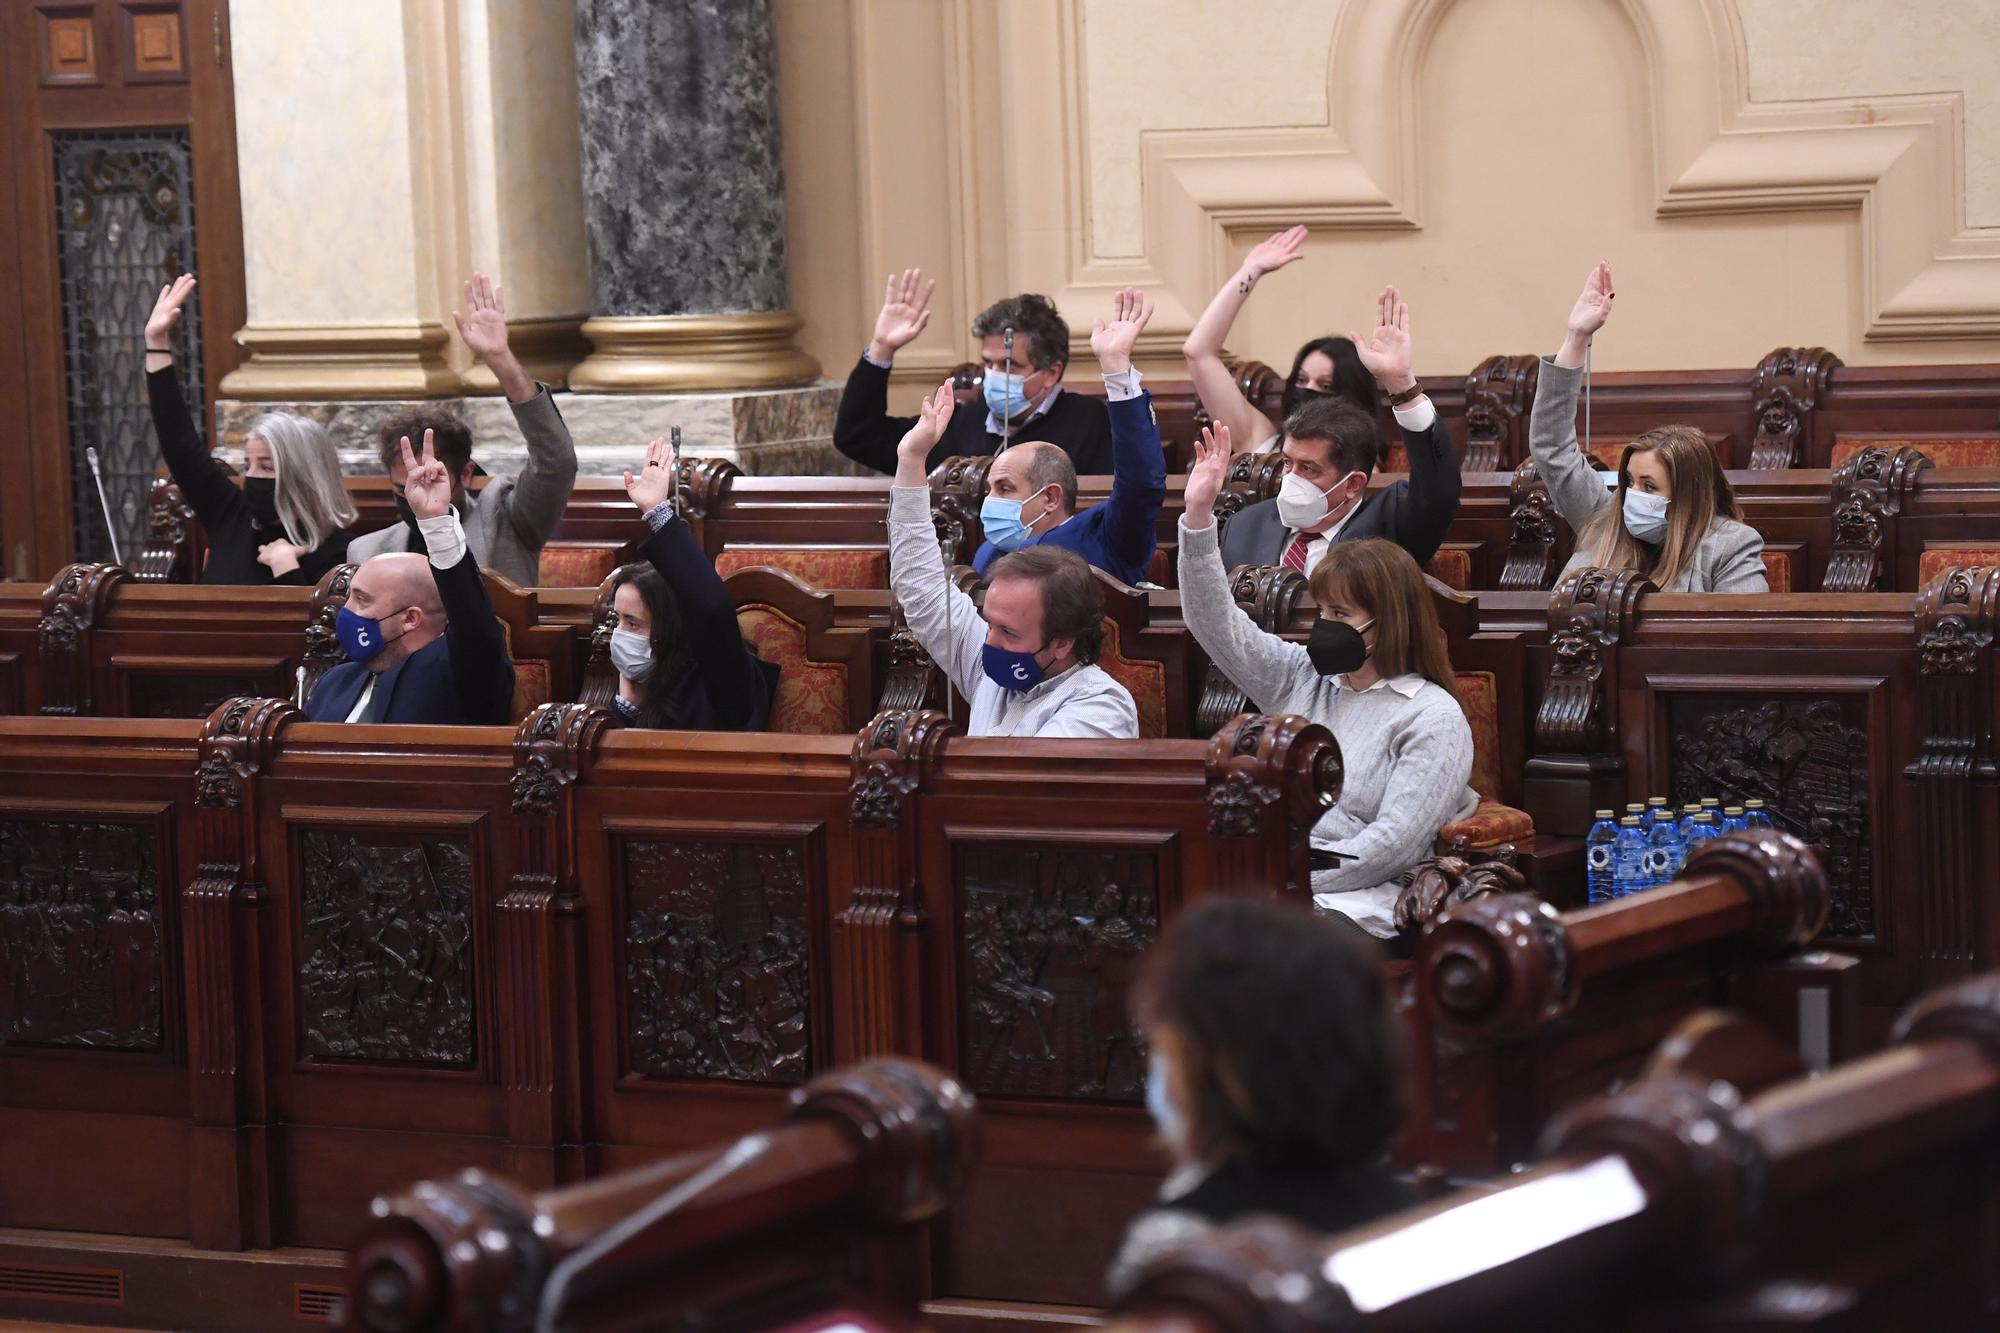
<point>1323,368</point>
<point>1275,1075</point>
<point>682,662</point>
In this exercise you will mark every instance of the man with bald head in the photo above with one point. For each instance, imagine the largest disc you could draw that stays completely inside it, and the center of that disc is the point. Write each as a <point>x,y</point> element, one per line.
<point>1031,487</point>
<point>422,642</point>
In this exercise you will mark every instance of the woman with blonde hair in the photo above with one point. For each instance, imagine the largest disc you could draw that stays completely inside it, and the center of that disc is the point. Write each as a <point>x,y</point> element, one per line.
<point>1668,511</point>
<point>289,522</point>
<point>1375,672</point>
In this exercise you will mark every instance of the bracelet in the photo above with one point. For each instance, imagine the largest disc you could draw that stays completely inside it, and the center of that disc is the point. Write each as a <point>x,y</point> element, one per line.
<point>1409,395</point>
<point>163,351</point>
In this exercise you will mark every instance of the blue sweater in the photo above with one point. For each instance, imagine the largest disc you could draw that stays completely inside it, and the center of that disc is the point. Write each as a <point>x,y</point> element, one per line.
<point>1118,536</point>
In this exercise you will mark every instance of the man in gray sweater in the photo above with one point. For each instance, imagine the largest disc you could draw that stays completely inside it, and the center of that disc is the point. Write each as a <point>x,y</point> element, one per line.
<point>509,519</point>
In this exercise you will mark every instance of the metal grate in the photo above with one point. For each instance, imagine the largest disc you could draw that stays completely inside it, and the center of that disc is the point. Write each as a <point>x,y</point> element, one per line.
<point>318,1305</point>
<point>66,1286</point>
<point>124,227</point>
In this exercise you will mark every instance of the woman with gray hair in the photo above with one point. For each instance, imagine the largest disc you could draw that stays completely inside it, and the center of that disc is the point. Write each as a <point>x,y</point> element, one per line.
<point>289,521</point>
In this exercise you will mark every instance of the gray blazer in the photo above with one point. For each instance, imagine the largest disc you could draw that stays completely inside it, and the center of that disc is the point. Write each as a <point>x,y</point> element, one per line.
<point>1731,555</point>
<point>511,518</point>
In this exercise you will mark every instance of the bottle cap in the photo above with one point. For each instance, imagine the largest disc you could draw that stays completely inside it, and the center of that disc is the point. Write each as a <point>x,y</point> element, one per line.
<point>1691,808</point>
<point>1753,804</point>
<point>1704,818</point>
<point>1602,814</point>
<point>1629,821</point>
<point>1732,809</point>
<point>1710,802</point>
<point>1656,800</point>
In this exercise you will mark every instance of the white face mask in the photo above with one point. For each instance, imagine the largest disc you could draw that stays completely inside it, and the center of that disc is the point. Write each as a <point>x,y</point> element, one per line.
<point>632,654</point>
<point>1645,515</point>
<point>1300,503</point>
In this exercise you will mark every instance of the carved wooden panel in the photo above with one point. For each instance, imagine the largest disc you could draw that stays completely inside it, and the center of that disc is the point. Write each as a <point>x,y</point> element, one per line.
<point>1807,759</point>
<point>385,949</point>
<point>1050,940</point>
<point>154,45</point>
<point>717,983</point>
<point>69,45</point>
<point>80,934</point>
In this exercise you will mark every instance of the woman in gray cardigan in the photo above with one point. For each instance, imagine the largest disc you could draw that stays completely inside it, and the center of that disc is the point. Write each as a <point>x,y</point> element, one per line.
<point>1672,512</point>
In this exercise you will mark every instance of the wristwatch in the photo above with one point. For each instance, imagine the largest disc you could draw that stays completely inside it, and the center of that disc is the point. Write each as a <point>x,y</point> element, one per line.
<point>1409,395</point>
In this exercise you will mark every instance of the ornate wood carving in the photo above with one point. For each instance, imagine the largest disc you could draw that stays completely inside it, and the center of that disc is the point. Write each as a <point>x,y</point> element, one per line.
<point>1050,940</point>
<point>1501,963</point>
<point>385,948</point>
<point>1868,490</point>
<point>894,755</point>
<point>71,605</point>
<point>1789,895</point>
<point>1956,617</point>
<point>171,527</point>
<point>1531,546</point>
<point>551,746</point>
<point>913,680</point>
<point>600,676</point>
<point>958,489</point>
<point>1252,478</point>
<point>1499,393</point>
<point>701,483</point>
<point>238,739</point>
<point>1807,759</point>
<point>716,979</point>
<point>1269,781</point>
<point>1270,595</point>
<point>1590,611</point>
<point>1442,882</point>
<point>1786,389</point>
<point>323,651</point>
<point>81,962</point>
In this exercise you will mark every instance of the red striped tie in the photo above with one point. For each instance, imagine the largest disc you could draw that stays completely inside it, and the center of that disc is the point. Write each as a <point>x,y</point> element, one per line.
<point>1295,554</point>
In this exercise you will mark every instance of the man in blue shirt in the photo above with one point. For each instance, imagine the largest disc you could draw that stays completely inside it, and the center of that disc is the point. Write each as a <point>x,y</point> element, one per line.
<point>1031,488</point>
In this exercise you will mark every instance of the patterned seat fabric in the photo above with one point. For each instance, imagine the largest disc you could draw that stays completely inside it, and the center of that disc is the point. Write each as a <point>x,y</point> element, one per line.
<point>531,678</point>
<point>812,696</point>
<point>1778,570</point>
<point>826,567</point>
<point>1492,824</point>
<point>575,564</point>
<point>1937,559</point>
<point>1968,451</point>
<point>1452,568</point>
<point>1147,682</point>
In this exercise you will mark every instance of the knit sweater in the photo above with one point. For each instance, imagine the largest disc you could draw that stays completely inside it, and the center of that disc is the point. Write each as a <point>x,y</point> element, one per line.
<point>1405,758</point>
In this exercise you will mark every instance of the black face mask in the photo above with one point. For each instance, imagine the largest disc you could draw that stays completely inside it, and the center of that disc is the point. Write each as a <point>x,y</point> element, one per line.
<point>261,494</point>
<point>1302,396</point>
<point>1335,647</point>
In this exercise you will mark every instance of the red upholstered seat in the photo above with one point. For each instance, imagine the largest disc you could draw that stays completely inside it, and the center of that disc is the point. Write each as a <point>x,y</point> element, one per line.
<point>812,696</point>
<point>576,564</point>
<point>1937,559</point>
<point>531,678</point>
<point>1950,451</point>
<point>822,567</point>
<point>1453,568</point>
<point>1146,680</point>
<point>1395,459</point>
<point>1492,824</point>
<point>1778,570</point>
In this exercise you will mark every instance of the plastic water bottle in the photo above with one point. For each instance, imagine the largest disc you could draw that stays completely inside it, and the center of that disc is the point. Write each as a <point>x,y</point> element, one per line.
<point>1656,810</point>
<point>1686,823</point>
<point>1732,819</point>
<point>1755,816</point>
<point>1629,858</point>
<point>1665,850</point>
<point>1599,867</point>
<point>1712,806</point>
<point>1705,831</point>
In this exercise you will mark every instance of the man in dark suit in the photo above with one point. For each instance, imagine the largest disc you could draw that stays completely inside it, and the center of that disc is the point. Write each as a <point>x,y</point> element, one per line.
<point>424,644</point>
<point>1330,449</point>
<point>1024,398</point>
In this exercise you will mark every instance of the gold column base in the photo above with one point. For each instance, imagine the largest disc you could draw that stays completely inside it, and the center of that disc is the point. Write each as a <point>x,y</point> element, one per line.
<point>292,361</point>
<point>691,353</point>
<point>546,349</point>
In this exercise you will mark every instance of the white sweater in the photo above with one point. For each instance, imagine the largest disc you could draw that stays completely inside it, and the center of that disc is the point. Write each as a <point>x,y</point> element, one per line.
<point>1405,746</point>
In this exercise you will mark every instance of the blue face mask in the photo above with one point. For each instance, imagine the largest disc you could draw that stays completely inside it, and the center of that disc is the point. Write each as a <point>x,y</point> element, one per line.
<point>1004,396</point>
<point>1165,1114</point>
<point>359,636</point>
<point>1010,670</point>
<point>1001,521</point>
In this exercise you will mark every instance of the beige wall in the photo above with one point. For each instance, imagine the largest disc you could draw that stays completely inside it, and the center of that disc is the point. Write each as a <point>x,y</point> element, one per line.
<point>1759,173</point>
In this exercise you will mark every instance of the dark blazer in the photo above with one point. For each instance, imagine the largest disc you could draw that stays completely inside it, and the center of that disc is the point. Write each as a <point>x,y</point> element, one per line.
<point>866,433</point>
<point>1414,512</point>
<point>462,677</point>
<point>731,688</point>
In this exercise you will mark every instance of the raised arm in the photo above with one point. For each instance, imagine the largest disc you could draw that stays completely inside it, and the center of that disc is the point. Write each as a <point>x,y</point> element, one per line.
<point>1432,497</point>
<point>204,485</point>
<point>944,619</point>
<point>1267,667</point>
<point>1225,402</point>
<point>1138,464</point>
<point>1576,488</point>
<point>481,673</point>
<point>708,616</point>
<point>542,490</point>
<point>863,430</point>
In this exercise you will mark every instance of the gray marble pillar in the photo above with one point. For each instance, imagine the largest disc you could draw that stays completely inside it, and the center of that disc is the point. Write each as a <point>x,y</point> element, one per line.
<point>684,198</point>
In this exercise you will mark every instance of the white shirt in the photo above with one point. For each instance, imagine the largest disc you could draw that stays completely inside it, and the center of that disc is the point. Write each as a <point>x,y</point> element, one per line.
<point>1082,701</point>
<point>1417,414</point>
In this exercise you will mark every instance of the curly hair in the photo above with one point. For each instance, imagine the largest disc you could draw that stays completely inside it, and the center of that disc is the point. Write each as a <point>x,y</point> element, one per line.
<point>451,436</point>
<point>1036,316</point>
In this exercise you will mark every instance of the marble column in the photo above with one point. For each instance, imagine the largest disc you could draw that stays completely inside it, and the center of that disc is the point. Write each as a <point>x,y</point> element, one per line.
<point>684,200</point>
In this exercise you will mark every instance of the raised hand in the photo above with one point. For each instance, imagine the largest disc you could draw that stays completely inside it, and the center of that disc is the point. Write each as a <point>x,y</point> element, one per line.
<point>280,557</point>
<point>1205,478</point>
<point>914,451</point>
<point>483,324</point>
<point>1386,351</point>
<point>1271,255</point>
<point>904,313</point>
<point>426,481</point>
<point>655,481</point>
<point>1113,341</point>
<point>1593,307</point>
<point>167,311</point>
